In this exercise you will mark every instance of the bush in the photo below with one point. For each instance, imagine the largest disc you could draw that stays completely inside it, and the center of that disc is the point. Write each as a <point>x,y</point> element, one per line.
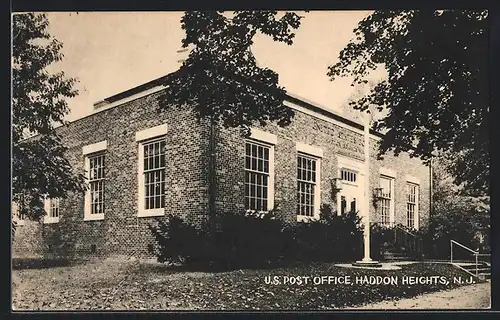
<point>249,240</point>
<point>254,240</point>
<point>179,242</point>
<point>446,226</point>
<point>380,237</point>
<point>331,238</point>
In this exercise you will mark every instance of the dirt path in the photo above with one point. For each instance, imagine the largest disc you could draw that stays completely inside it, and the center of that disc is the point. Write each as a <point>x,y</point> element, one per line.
<point>476,296</point>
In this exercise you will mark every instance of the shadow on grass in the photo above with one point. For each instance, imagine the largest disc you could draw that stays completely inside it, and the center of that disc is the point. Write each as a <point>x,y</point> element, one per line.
<point>42,263</point>
<point>222,268</point>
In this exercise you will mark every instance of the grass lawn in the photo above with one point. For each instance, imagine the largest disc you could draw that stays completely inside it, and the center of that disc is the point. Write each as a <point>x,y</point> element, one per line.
<point>138,286</point>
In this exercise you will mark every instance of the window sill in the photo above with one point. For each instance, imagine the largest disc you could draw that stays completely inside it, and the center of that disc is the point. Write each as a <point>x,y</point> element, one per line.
<point>307,218</point>
<point>93,217</point>
<point>151,213</point>
<point>50,220</point>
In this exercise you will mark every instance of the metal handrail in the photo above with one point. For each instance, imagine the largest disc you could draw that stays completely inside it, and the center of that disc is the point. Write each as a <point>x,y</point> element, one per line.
<point>465,247</point>
<point>415,244</point>
<point>403,228</point>
<point>476,253</point>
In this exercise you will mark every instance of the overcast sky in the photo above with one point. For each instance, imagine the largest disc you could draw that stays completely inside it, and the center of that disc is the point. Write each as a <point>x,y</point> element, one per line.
<point>111,52</point>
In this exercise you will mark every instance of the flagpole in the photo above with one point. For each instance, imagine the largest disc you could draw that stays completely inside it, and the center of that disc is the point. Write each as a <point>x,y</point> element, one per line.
<point>367,261</point>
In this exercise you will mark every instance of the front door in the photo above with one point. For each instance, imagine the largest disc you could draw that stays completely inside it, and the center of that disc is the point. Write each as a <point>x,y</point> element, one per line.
<point>349,199</point>
<point>350,196</point>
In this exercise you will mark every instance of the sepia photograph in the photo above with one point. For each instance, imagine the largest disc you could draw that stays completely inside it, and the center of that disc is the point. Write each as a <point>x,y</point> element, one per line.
<point>251,160</point>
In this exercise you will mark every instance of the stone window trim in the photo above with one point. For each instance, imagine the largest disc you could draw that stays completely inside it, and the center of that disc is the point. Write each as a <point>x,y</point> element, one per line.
<point>90,152</point>
<point>269,141</point>
<point>317,182</point>
<point>309,149</point>
<point>53,209</point>
<point>387,172</point>
<point>157,133</point>
<point>412,179</point>
<point>95,147</point>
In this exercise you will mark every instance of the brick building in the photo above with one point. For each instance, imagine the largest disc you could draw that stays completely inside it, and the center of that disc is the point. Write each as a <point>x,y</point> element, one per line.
<point>141,164</point>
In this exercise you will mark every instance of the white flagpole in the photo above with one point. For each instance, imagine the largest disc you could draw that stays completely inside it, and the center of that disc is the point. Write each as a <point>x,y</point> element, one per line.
<point>367,261</point>
<point>366,236</point>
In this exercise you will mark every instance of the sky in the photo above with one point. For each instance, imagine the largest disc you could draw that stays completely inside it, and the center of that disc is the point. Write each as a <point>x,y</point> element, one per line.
<point>110,52</point>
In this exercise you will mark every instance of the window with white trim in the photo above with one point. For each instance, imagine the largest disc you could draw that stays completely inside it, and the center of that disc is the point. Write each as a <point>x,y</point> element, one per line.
<point>53,210</point>
<point>96,180</point>
<point>411,204</point>
<point>257,175</point>
<point>307,182</point>
<point>152,166</point>
<point>95,171</point>
<point>386,200</point>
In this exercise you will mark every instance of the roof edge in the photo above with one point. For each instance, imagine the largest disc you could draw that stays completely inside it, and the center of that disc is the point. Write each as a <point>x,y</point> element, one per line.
<point>289,96</point>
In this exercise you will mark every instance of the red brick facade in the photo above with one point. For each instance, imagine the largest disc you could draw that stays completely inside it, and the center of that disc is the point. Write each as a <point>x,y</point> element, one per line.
<point>123,233</point>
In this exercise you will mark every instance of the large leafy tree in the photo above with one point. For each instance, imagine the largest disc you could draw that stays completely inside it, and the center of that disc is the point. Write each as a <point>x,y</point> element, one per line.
<point>221,78</point>
<point>39,166</point>
<point>435,96</point>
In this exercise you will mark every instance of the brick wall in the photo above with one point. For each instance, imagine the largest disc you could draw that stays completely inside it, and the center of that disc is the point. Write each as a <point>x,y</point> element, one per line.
<point>122,233</point>
<point>334,140</point>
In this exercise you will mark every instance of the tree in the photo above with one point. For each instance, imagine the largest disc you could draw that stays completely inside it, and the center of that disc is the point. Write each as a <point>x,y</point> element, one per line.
<point>220,78</point>
<point>39,166</point>
<point>436,91</point>
<point>455,216</point>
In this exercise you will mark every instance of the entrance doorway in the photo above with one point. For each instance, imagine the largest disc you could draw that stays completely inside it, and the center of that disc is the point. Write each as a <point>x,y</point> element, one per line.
<point>350,196</point>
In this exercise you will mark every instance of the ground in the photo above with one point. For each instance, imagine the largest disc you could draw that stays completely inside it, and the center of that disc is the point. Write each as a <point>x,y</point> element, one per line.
<point>474,296</point>
<point>134,286</point>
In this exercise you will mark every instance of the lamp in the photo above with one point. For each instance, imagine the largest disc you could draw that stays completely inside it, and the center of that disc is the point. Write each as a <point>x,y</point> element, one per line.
<point>336,187</point>
<point>377,195</point>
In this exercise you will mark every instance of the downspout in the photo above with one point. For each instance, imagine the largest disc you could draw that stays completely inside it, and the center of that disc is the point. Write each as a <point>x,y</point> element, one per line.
<point>212,182</point>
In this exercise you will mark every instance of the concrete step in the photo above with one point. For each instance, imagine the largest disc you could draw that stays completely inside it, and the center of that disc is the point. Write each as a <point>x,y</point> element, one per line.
<point>473,266</point>
<point>483,269</point>
<point>486,275</point>
<point>405,258</point>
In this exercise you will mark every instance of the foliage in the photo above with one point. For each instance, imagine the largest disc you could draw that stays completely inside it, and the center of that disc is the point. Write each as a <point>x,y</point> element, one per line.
<point>220,78</point>
<point>178,241</point>
<point>135,286</point>
<point>455,215</point>
<point>436,91</point>
<point>380,237</point>
<point>257,239</point>
<point>249,240</point>
<point>331,238</point>
<point>39,166</point>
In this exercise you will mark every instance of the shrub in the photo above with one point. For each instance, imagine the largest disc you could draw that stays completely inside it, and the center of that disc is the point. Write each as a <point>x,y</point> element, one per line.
<point>238,240</point>
<point>253,240</point>
<point>331,238</point>
<point>380,237</point>
<point>446,226</point>
<point>250,240</point>
<point>179,242</point>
